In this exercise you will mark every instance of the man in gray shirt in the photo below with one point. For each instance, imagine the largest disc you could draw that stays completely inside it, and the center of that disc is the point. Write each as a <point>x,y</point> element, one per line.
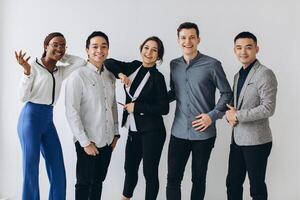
<point>194,80</point>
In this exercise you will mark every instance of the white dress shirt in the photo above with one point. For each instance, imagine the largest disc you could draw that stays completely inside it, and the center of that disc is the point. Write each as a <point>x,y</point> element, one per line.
<point>91,107</point>
<point>42,86</point>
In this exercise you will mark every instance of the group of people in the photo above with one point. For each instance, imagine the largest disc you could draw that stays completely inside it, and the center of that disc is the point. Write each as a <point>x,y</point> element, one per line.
<point>91,111</point>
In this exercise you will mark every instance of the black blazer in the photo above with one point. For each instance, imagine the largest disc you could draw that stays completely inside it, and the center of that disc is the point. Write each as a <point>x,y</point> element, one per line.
<point>152,102</point>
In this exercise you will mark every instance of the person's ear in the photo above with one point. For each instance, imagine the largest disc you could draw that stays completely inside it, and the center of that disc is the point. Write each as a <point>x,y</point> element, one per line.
<point>199,40</point>
<point>87,51</point>
<point>46,47</point>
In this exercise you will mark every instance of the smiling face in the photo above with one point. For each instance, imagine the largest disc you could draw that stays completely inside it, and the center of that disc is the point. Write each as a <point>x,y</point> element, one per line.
<point>188,41</point>
<point>97,50</point>
<point>56,48</point>
<point>245,50</point>
<point>149,53</point>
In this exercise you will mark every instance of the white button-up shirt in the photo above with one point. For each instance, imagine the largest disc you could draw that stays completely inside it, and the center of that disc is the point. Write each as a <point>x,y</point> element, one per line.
<point>42,86</point>
<point>91,107</point>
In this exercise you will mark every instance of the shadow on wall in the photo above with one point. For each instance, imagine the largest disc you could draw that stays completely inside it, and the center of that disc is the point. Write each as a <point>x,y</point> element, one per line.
<point>3,198</point>
<point>7,198</point>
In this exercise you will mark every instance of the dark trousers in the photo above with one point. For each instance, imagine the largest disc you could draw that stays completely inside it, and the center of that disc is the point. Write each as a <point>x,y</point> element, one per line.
<point>147,146</point>
<point>179,152</point>
<point>91,172</point>
<point>251,159</point>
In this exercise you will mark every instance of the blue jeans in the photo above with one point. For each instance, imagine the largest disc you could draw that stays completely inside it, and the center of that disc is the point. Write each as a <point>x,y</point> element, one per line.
<point>37,134</point>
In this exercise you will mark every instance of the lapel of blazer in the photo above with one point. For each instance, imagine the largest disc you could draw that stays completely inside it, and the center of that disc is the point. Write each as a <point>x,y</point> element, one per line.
<point>244,88</point>
<point>150,83</point>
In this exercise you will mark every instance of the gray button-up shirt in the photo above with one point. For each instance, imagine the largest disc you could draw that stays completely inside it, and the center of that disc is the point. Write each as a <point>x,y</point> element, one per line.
<point>91,107</point>
<point>193,86</point>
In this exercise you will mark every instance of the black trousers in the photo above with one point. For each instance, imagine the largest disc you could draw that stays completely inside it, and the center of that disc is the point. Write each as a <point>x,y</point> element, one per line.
<point>179,152</point>
<point>91,172</point>
<point>147,146</point>
<point>252,160</point>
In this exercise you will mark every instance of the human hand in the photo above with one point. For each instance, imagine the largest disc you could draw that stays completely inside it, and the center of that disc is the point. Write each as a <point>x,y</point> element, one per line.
<point>129,107</point>
<point>91,149</point>
<point>124,79</point>
<point>202,122</point>
<point>23,61</point>
<point>231,115</point>
<point>114,143</point>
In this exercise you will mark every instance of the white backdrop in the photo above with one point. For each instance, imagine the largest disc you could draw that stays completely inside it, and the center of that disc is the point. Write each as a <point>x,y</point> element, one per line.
<point>24,24</point>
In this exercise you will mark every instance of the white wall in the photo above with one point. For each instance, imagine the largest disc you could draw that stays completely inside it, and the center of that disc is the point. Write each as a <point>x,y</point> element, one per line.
<point>1,64</point>
<point>24,24</point>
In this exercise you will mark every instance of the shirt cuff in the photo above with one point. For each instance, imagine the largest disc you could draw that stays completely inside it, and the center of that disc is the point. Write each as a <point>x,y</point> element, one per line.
<point>84,141</point>
<point>215,115</point>
<point>65,58</point>
<point>26,77</point>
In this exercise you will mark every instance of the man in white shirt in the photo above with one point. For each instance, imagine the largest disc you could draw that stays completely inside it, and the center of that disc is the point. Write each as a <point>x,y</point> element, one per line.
<point>92,115</point>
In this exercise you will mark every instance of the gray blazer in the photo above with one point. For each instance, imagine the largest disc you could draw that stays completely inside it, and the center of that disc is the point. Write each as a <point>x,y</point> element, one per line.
<point>255,105</point>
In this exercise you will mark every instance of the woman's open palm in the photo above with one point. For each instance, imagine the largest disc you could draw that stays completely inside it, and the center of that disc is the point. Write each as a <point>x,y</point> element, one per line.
<point>23,61</point>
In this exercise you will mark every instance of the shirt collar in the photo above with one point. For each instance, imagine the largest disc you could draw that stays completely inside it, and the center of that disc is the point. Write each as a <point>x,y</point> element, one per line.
<point>94,68</point>
<point>247,70</point>
<point>150,69</point>
<point>194,59</point>
<point>40,63</point>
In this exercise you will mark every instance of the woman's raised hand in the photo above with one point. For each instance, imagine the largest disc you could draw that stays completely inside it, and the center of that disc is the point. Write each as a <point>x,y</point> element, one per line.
<point>124,79</point>
<point>23,61</point>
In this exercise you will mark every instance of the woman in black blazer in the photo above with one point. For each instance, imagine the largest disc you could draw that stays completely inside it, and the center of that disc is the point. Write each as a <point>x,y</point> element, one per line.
<point>146,102</point>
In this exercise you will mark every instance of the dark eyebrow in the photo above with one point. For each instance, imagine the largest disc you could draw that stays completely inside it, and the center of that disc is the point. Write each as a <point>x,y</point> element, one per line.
<point>104,43</point>
<point>58,43</point>
<point>152,47</point>
<point>248,45</point>
<point>100,45</point>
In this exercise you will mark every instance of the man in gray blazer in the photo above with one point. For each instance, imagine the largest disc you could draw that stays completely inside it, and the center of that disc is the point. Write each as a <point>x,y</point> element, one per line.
<point>255,88</point>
